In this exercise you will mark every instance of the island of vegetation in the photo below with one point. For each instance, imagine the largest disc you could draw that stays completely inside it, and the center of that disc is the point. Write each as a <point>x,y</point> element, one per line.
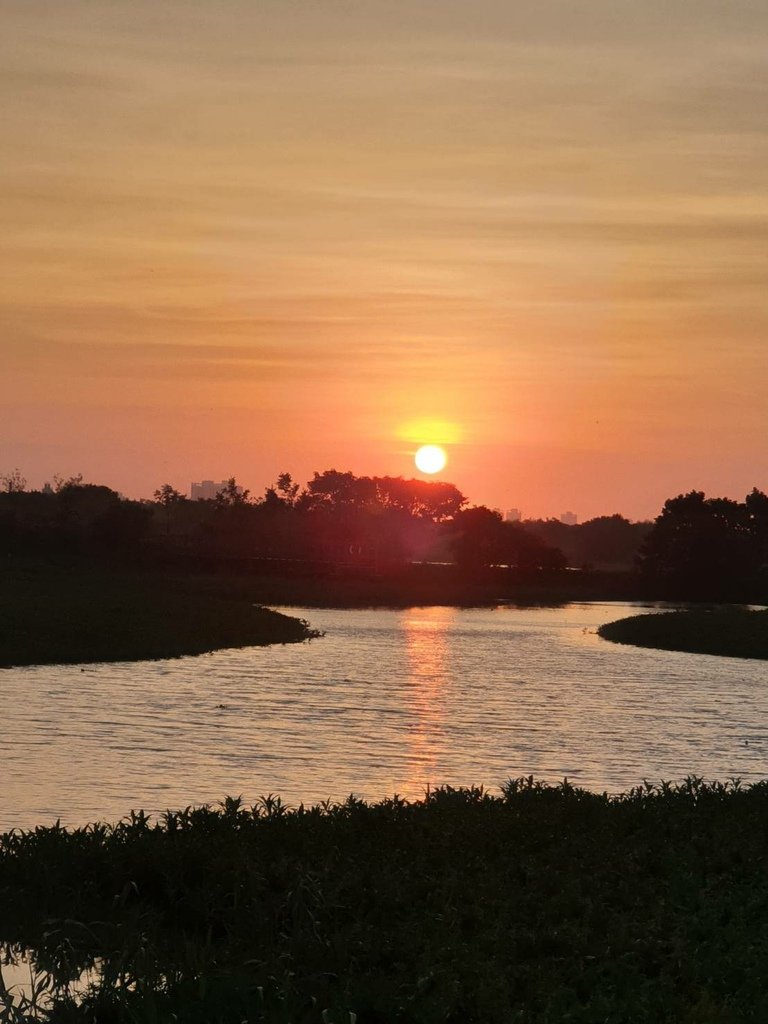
<point>51,615</point>
<point>544,904</point>
<point>704,550</point>
<point>728,632</point>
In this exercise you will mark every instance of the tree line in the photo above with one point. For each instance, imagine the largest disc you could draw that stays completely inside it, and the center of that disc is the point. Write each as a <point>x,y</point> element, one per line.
<point>709,549</point>
<point>337,518</point>
<point>698,548</point>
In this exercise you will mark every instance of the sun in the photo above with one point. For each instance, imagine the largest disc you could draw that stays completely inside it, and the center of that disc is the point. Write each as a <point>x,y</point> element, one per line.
<point>430,458</point>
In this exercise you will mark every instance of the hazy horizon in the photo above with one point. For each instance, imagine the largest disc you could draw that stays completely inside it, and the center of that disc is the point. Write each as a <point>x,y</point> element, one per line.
<point>253,238</point>
<point>256,492</point>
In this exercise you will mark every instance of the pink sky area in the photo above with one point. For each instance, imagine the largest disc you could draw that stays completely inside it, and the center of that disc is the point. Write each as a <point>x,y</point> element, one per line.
<point>242,238</point>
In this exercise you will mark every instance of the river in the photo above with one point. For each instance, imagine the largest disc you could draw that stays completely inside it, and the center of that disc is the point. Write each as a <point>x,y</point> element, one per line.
<point>387,701</point>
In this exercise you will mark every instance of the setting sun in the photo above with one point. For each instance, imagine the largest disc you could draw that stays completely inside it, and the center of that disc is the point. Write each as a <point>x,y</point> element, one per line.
<point>430,458</point>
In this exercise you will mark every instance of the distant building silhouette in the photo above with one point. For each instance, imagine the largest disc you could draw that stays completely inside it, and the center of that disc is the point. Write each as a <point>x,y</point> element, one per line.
<point>206,490</point>
<point>513,515</point>
<point>569,518</point>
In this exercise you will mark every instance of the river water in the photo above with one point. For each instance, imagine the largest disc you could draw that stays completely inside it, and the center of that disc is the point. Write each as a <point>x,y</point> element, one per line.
<point>387,701</point>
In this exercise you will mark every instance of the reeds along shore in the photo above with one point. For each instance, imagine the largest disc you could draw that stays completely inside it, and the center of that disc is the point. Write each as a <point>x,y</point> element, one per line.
<point>543,904</point>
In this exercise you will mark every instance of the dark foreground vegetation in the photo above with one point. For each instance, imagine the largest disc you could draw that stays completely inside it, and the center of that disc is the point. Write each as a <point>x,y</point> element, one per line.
<point>543,905</point>
<point>728,632</point>
<point>51,615</point>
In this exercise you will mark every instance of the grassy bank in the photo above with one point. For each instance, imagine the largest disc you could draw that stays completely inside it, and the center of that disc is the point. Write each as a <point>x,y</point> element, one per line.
<point>432,584</point>
<point>542,905</point>
<point>732,632</point>
<point>52,616</point>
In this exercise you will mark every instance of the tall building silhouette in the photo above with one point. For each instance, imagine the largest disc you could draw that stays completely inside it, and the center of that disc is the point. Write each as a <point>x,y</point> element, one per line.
<point>206,490</point>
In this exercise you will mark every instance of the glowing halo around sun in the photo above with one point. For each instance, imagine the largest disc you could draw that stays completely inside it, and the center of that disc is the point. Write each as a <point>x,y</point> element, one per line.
<point>430,458</point>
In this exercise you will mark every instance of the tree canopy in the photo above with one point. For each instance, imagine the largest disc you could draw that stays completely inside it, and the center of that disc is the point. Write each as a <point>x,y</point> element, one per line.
<point>709,548</point>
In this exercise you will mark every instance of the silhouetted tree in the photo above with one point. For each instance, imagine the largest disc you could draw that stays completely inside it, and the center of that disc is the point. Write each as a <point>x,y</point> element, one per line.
<point>524,550</point>
<point>701,548</point>
<point>167,495</point>
<point>232,495</point>
<point>286,489</point>
<point>431,500</point>
<point>13,482</point>
<point>334,491</point>
<point>169,499</point>
<point>86,501</point>
<point>610,540</point>
<point>60,482</point>
<point>606,542</point>
<point>282,495</point>
<point>756,504</point>
<point>480,538</point>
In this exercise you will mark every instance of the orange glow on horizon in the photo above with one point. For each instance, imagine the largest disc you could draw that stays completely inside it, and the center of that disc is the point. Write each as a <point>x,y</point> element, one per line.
<point>343,260</point>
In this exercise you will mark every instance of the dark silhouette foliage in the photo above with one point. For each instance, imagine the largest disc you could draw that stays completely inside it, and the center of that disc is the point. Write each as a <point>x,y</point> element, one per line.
<point>232,495</point>
<point>543,904</point>
<point>339,519</point>
<point>606,542</point>
<point>167,495</point>
<point>284,491</point>
<point>122,526</point>
<point>698,548</point>
<point>482,539</point>
<point>709,548</point>
<point>13,482</point>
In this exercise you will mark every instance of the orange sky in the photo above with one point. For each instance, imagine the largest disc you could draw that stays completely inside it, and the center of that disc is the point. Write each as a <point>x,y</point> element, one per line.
<point>248,237</point>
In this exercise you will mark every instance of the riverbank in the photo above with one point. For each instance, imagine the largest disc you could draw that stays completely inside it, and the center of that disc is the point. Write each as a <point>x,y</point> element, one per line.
<point>54,616</point>
<point>729,633</point>
<point>57,614</point>
<point>544,904</point>
<point>423,584</point>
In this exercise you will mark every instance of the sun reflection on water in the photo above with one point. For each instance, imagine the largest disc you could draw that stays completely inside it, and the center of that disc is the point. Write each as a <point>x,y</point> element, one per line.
<point>426,632</point>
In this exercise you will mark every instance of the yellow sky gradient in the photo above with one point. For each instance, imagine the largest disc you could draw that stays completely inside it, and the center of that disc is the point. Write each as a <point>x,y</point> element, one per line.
<point>266,235</point>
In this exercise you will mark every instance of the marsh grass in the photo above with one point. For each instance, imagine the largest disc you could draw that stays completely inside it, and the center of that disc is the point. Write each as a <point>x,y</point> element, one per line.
<point>51,616</point>
<point>728,632</point>
<point>544,904</point>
